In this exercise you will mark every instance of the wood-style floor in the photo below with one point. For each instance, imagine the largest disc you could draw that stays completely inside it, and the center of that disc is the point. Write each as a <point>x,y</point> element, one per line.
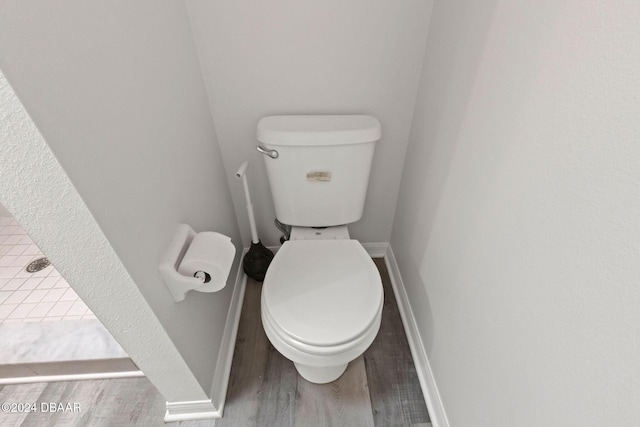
<point>379,388</point>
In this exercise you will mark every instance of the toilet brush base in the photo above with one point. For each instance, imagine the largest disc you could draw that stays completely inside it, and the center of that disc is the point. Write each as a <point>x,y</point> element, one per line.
<point>256,261</point>
<point>318,375</point>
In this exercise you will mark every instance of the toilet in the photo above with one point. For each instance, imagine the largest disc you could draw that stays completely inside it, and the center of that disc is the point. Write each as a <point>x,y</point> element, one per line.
<point>322,295</point>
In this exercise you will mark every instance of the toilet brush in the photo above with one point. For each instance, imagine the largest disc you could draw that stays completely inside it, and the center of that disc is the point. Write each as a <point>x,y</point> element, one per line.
<point>257,259</point>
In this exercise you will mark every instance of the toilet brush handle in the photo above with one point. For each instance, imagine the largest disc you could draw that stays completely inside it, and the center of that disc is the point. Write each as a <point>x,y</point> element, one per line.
<point>242,174</point>
<point>252,219</point>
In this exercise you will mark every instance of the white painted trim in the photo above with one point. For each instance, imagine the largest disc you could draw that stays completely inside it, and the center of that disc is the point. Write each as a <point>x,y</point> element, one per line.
<point>193,410</point>
<point>376,250</point>
<point>213,408</point>
<point>225,356</point>
<point>70,377</point>
<point>423,368</point>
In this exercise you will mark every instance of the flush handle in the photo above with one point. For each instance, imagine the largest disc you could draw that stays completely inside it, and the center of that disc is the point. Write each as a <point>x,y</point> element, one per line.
<point>271,153</point>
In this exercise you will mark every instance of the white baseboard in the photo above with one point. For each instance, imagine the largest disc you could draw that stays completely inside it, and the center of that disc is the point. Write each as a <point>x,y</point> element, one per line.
<point>225,356</point>
<point>423,368</point>
<point>376,250</point>
<point>188,411</point>
<point>204,409</point>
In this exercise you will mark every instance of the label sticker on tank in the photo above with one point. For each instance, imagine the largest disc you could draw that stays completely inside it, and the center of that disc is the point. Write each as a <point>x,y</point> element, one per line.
<point>319,176</point>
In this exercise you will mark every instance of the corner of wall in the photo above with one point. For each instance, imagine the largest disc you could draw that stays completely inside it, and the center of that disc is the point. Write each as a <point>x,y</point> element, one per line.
<point>65,230</point>
<point>418,351</point>
<point>210,96</point>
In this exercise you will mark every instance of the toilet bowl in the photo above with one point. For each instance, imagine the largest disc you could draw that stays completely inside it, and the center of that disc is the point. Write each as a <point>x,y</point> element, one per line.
<point>321,305</point>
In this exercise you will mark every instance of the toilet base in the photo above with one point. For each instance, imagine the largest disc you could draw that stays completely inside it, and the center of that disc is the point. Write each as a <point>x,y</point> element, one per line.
<point>322,375</point>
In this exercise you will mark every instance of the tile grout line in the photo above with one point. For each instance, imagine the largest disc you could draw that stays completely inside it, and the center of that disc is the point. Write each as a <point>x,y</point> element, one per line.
<point>18,250</point>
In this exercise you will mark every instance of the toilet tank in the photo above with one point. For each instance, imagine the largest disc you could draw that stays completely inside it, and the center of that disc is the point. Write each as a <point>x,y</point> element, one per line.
<point>319,169</point>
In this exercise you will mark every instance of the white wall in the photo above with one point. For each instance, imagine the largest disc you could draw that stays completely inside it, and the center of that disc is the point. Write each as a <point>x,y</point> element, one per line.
<point>55,216</point>
<point>518,224</point>
<point>116,90</point>
<point>4,211</point>
<point>306,57</point>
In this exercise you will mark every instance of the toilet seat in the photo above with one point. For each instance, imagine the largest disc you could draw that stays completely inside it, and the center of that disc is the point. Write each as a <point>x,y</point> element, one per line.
<point>322,296</point>
<point>278,336</point>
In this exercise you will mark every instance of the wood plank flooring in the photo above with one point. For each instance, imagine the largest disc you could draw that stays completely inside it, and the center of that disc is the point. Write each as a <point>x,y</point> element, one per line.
<point>102,403</point>
<point>379,388</point>
<point>393,381</point>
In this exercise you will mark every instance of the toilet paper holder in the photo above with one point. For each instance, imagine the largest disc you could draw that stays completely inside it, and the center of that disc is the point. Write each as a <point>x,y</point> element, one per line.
<point>178,283</point>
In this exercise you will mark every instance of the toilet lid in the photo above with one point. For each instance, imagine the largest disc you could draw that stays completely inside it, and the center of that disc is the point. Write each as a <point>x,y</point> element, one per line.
<point>322,292</point>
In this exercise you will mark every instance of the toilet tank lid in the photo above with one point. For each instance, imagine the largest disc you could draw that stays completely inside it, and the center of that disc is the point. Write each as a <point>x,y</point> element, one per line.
<point>306,130</point>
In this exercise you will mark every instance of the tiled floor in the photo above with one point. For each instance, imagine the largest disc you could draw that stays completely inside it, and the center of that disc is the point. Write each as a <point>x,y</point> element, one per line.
<point>42,320</point>
<point>26,297</point>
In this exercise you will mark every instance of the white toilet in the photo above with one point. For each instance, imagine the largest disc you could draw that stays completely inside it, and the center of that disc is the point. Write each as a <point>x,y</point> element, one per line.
<point>322,294</point>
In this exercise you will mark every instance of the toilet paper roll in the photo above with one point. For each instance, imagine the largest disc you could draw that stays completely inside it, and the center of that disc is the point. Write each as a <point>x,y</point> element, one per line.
<point>209,258</point>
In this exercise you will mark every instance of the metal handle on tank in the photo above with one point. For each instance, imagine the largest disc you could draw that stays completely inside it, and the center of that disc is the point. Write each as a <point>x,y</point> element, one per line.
<point>271,153</point>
